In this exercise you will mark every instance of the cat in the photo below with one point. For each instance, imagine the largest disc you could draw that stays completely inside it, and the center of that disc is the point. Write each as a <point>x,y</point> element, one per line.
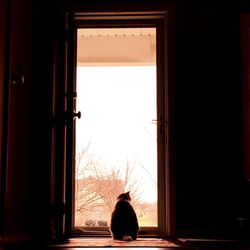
<point>124,223</point>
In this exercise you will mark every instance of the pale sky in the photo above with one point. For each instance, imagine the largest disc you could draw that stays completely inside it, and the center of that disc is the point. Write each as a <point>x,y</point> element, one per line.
<point>118,105</point>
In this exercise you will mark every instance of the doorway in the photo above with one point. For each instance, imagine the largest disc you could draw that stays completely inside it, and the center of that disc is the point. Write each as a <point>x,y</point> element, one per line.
<point>120,142</point>
<point>116,138</point>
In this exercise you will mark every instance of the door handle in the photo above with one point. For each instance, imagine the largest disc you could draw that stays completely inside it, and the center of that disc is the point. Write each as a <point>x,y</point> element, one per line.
<point>71,115</point>
<point>77,114</point>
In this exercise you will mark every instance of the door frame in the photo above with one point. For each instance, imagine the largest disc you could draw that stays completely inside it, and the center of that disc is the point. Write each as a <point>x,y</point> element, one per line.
<point>163,21</point>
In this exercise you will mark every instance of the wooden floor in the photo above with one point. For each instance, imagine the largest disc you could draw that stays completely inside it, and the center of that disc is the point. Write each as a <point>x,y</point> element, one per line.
<point>198,244</point>
<point>179,244</point>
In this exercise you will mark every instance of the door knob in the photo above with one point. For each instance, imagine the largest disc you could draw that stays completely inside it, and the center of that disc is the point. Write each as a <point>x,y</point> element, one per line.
<point>71,115</point>
<point>77,114</point>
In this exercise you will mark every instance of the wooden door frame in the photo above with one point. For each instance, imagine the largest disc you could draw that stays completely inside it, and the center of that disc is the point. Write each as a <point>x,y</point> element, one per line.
<point>104,19</point>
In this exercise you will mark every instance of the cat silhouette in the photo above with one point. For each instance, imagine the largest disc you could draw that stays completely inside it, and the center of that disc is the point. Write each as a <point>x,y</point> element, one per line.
<point>124,223</point>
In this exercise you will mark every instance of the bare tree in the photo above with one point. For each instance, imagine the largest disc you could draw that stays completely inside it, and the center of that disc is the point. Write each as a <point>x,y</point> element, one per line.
<point>97,187</point>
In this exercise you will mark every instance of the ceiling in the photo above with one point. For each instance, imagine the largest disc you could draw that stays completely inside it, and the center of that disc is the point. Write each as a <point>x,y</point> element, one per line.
<point>116,46</point>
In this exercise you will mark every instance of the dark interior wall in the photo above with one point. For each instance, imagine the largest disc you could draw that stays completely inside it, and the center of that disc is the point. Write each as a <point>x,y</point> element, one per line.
<point>208,115</point>
<point>16,85</point>
<point>3,24</point>
<point>208,118</point>
<point>3,14</point>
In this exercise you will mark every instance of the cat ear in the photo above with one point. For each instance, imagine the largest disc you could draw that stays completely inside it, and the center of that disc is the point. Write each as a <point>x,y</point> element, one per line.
<point>128,196</point>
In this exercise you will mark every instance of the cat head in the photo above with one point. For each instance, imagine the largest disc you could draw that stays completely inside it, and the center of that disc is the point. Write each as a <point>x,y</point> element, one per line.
<point>124,196</point>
